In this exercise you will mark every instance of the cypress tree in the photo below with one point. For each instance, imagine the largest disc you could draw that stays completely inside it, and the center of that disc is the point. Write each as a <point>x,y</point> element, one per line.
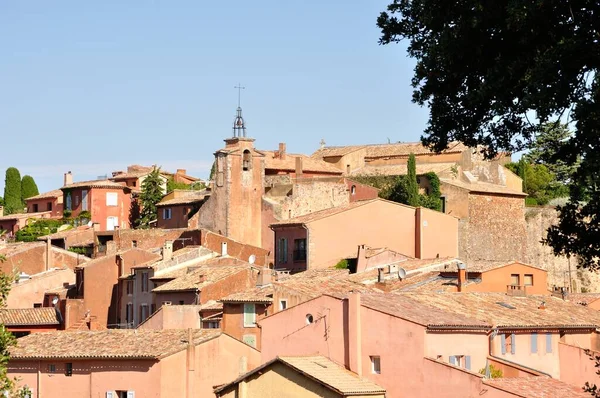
<point>28,187</point>
<point>12,191</point>
<point>412,187</point>
<point>152,193</point>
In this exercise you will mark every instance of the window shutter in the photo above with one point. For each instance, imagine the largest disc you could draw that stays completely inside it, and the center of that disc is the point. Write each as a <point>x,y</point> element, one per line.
<point>534,339</point>
<point>110,394</point>
<point>250,339</point>
<point>285,250</point>
<point>512,343</point>
<point>503,343</point>
<point>452,360</point>
<point>249,314</point>
<point>130,394</point>
<point>548,342</point>
<point>468,362</point>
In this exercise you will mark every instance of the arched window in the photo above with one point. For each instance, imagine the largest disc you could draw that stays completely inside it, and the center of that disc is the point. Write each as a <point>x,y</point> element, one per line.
<point>246,160</point>
<point>353,190</point>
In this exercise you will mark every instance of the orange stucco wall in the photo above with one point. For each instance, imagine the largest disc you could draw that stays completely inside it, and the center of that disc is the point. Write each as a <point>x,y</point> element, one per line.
<point>496,280</point>
<point>576,367</point>
<point>96,199</point>
<point>179,216</point>
<point>233,321</point>
<point>437,234</point>
<point>27,293</point>
<point>53,205</point>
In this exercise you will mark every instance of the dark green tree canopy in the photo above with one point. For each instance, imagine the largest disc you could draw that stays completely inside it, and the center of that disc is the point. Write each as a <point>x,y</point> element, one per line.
<point>412,186</point>
<point>152,193</point>
<point>28,187</point>
<point>12,191</point>
<point>494,72</point>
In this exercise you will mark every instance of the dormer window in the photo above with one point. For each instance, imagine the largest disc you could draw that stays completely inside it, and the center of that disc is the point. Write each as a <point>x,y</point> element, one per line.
<point>246,160</point>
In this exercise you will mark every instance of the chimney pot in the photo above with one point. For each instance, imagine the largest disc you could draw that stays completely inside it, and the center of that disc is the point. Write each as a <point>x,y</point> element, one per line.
<point>299,167</point>
<point>282,150</point>
<point>68,178</point>
<point>462,276</point>
<point>223,249</point>
<point>181,171</point>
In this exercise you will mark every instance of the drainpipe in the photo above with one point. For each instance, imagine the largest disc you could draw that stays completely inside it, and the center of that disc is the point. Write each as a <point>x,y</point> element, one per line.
<point>39,375</point>
<point>190,365</point>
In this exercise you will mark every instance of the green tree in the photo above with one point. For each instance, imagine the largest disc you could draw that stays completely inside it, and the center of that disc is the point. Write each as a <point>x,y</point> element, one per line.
<point>485,68</point>
<point>412,186</point>
<point>152,193</point>
<point>37,228</point>
<point>213,170</point>
<point>538,182</point>
<point>7,340</point>
<point>12,191</point>
<point>28,188</point>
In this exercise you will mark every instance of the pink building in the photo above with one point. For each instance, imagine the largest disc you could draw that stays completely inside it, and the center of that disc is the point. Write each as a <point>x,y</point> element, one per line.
<point>48,201</point>
<point>323,238</point>
<point>380,336</point>
<point>128,363</point>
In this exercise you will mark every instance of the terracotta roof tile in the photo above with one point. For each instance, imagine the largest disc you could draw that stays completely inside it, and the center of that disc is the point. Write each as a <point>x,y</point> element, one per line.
<point>537,387</point>
<point>96,184</point>
<point>313,283</point>
<point>332,375</point>
<point>289,163</point>
<point>402,169</point>
<point>192,197</point>
<point>68,233</point>
<point>262,294</point>
<point>386,150</point>
<point>46,195</point>
<point>318,215</point>
<point>112,343</point>
<point>20,216</point>
<point>482,187</point>
<point>200,277</point>
<point>583,298</point>
<point>29,316</point>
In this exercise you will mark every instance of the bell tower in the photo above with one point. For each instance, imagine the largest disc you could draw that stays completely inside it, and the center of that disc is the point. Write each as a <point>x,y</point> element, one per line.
<point>239,185</point>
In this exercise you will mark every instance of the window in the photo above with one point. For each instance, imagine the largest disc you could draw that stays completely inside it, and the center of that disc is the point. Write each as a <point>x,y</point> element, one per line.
<point>51,368</point>
<point>112,223</point>
<point>548,343</point>
<point>309,319</point>
<point>249,315</point>
<point>353,190</point>
<point>462,361</point>
<point>299,249</point>
<point>282,305</point>
<point>246,160</point>
<point>213,325</point>
<point>69,369</point>
<point>68,200</point>
<point>112,198</point>
<point>376,365</point>
<point>514,279</point>
<point>181,302</point>
<point>37,305</point>
<point>152,308</point>
<point>84,200</point>
<point>528,280</point>
<point>134,243</point>
<point>134,183</point>
<point>49,206</point>
<point>35,208</point>
<point>76,201</point>
<point>443,198</point>
<point>120,394</point>
<point>144,281</point>
<point>129,287</point>
<point>249,339</point>
<point>505,343</point>
<point>282,251</point>
<point>129,313</point>
<point>167,213</point>
<point>534,341</point>
<point>143,312</point>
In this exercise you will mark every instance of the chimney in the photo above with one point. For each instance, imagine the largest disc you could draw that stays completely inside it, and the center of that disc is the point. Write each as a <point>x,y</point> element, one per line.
<point>68,178</point>
<point>462,276</point>
<point>120,265</point>
<point>167,251</point>
<point>223,249</point>
<point>298,167</point>
<point>282,150</point>
<point>354,333</point>
<point>361,259</point>
<point>380,277</point>
<point>542,306</point>
<point>264,277</point>
<point>181,171</point>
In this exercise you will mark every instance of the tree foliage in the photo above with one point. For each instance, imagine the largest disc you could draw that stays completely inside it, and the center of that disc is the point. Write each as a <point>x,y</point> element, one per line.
<point>412,186</point>
<point>28,188</point>
<point>7,340</point>
<point>591,387</point>
<point>495,73</point>
<point>152,193</point>
<point>36,228</point>
<point>538,182</point>
<point>12,191</point>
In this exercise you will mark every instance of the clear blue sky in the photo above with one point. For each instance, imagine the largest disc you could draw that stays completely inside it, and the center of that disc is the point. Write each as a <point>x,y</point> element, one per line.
<point>94,86</point>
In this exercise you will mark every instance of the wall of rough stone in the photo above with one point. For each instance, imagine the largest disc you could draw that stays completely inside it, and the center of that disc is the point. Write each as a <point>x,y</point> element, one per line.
<point>538,220</point>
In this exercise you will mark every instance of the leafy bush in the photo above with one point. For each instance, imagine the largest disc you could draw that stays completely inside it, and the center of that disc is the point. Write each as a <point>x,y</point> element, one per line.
<point>38,228</point>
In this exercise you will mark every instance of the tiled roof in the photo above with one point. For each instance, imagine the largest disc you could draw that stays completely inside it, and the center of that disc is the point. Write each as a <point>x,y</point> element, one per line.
<point>28,316</point>
<point>501,310</point>
<point>96,184</point>
<point>583,298</point>
<point>261,294</point>
<point>537,387</point>
<point>46,195</point>
<point>198,278</point>
<point>402,169</point>
<point>211,305</point>
<point>313,283</point>
<point>20,216</point>
<point>323,371</point>
<point>67,233</point>
<point>289,163</point>
<point>192,197</point>
<point>482,187</point>
<point>318,215</point>
<point>332,375</point>
<point>106,344</point>
<point>387,150</point>
<point>483,266</point>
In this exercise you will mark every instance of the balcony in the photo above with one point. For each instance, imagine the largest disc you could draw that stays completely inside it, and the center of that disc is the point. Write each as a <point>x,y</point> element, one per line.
<point>516,290</point>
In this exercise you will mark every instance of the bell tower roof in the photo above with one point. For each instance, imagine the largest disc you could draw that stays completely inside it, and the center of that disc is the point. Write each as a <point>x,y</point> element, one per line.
<point>239,125</point>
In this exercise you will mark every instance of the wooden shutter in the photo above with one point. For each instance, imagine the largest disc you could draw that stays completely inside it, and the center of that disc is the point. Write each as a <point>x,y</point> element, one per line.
<point>110,394</point>
<point>468,362</point>
<point>548,342</point>
<point>534,339</point>
<point>250,339</point>
<point>503,343</point>
<point>249,314</point>
<point>452,359</point>
<point>512,343</point>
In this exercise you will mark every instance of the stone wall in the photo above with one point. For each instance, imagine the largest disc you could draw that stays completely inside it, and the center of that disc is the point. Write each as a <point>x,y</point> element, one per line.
<point>538,220</point>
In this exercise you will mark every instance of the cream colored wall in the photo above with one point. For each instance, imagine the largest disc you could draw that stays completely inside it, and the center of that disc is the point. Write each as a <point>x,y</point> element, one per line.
<point>333,238</point>
<point>513,181</point>
<point>450,344</point>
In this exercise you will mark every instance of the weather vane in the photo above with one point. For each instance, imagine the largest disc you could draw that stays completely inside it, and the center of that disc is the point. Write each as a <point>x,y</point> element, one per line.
<point>240,88</point>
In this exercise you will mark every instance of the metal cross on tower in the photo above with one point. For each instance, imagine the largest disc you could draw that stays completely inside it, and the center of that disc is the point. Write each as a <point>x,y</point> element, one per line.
<point>240,88</point>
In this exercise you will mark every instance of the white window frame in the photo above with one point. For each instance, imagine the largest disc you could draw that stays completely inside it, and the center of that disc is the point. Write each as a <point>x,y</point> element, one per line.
<point>167,213</point>
<point>247,306</point>
<point>283,304</point>
<point>375,364</point>
<point>112,199</point>
<point>213,325</point>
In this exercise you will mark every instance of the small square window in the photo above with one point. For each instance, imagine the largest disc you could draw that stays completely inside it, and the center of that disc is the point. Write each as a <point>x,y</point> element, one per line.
<point>515,280</point>
<point>51,368</point>
<point>376,365</point>
<point>528,280</point>
<point>282,305</point>
<point>69,369</point>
